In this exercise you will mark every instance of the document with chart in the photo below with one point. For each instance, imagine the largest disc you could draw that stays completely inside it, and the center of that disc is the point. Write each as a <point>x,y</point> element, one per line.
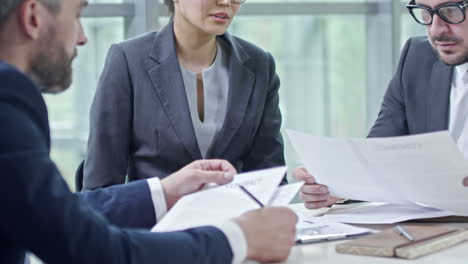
<point>220,203</point>
<point>424,170</point>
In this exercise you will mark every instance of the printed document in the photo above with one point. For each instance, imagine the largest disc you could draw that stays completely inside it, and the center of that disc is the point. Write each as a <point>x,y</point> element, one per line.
<point>220,203</point>
<point>425,170</point>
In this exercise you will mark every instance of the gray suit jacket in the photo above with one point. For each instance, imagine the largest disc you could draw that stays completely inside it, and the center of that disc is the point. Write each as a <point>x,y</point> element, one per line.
<point>140,120</point>
<point>417,99</point>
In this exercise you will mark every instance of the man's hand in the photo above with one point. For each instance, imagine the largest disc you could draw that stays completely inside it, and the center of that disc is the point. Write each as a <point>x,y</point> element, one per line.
<point>313,194</point>
<point>465,182</point>
<point>194,176</point>
<point>270,233</point>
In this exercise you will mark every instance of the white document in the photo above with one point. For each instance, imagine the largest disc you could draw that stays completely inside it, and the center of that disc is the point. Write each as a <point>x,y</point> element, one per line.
<point>315,231</point>
<point>426,169</point>
<point>220,203</point>
<point>378,214</point>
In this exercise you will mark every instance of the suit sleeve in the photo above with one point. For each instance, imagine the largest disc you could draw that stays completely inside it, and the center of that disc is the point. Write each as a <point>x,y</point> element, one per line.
<point>392,120</point>
<point>125,205</point>
<point>110,125</point>
<point>40,214</point>
<point>268,150</point>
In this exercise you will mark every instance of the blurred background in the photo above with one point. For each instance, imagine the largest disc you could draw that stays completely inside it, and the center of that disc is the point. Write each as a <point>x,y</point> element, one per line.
<point>334,59</point>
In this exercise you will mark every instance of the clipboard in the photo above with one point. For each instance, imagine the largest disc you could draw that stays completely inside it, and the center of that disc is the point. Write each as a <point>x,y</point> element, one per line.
<point>390,243</point>
<point>312,232</point>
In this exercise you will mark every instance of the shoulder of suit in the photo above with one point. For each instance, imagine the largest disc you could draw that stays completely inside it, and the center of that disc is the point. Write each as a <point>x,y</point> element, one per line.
<point>251,49</point>
<point>15,82</point>
<point>422,45</point>
<point>140,43</point>
<point>19,90</point>
<point>419,53</point>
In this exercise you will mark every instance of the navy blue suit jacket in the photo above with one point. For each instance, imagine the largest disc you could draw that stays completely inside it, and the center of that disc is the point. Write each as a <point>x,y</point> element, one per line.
<point>41,215</point>
<point>418,97</point>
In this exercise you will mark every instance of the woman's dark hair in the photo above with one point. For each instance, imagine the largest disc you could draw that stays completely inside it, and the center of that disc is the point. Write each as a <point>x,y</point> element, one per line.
<point>170,5</point>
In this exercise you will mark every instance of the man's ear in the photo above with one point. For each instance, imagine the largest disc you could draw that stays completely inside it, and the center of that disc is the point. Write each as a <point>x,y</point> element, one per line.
<point>31,18</point>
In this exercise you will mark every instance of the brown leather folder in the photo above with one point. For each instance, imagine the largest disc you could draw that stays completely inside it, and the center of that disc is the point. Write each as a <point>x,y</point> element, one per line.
<point>391,243</point>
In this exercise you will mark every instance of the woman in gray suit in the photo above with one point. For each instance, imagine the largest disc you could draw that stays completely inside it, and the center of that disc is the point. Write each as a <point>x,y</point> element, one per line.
<point>190,91</point>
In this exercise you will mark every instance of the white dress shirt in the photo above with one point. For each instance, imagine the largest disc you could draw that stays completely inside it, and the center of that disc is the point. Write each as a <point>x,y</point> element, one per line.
<point>458,119</point>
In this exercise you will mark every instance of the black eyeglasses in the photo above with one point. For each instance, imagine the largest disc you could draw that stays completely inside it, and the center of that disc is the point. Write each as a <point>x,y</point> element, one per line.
<point>452,13</point>
<point>239,1</point>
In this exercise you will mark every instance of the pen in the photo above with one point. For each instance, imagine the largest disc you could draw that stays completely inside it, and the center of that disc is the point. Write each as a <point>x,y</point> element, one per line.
<point>251,195</point>
<point>317,238</point>
<point>403,232</point>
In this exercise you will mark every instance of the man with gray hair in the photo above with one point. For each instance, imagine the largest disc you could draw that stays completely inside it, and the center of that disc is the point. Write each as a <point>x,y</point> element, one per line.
<point>38,40</point>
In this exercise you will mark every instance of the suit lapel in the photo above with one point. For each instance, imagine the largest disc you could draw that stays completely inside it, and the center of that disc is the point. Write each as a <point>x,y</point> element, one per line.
<point>241,84</point>
<point>167,81</point>
<point>439,97</point>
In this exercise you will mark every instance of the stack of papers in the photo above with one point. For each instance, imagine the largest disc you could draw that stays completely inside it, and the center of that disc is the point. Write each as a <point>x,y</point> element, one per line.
<point>421,172</point>
<point>378,213</point>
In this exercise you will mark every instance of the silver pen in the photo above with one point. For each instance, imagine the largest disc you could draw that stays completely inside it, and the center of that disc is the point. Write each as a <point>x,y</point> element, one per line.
<point>403,232</point>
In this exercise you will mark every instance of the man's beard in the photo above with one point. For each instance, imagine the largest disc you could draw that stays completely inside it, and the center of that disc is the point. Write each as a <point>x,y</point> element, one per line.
<point>461,59</point>
<point>51,68</point>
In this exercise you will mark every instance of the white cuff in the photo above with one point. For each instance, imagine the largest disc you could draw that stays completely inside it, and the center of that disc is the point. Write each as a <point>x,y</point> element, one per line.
<point>236,239</point>
<point>157,195</point>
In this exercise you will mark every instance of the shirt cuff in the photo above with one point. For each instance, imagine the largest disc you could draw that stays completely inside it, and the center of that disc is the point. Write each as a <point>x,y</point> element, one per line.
<point>236,239</point>
<point>158,198</point>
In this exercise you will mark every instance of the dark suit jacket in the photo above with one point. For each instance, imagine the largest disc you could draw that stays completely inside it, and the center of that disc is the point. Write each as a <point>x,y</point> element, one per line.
<point>417,99</point>
<point>140,120</point>
<point>41,215</point>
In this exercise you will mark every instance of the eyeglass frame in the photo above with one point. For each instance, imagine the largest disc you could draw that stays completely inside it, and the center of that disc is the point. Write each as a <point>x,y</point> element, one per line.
<point>435,11</point>
<point>239,2</point>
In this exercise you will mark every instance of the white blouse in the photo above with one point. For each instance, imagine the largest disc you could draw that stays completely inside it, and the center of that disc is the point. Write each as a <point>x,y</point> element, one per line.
<point>216,86</point>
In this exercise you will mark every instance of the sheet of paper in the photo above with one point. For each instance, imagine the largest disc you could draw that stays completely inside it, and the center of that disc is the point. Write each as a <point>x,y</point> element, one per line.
<point>221,203</point>
<point>318,227</point>
<point>379,214</point>
<point>425,169</point>
<point>284,194</point>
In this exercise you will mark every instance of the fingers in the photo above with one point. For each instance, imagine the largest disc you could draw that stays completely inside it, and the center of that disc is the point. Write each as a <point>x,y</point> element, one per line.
<point>314,197</point>
<point>215,165</point>
<point>199,177</point>
<point>465,182</point>
<point>314,189</point>
<point>270,233</point>
<point>301,174</point>
<point>322,203</point>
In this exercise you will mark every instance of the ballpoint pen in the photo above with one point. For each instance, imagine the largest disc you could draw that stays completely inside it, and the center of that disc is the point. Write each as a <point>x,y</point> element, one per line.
<point>251,195</point>
<point>403,232</point>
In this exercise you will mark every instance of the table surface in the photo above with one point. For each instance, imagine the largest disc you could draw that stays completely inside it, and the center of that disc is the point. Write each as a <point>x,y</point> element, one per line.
<point>324,252</point>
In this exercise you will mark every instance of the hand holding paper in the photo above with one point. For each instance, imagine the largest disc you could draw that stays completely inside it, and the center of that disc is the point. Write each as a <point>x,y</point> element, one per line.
<point>313,194</point>
<point>269,232</point>
<point>422,169</point>
<point>194,176</point>
<point>221,203</point>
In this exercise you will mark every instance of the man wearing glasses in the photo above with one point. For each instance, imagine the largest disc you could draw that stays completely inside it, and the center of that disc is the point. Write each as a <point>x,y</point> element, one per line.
<point>429,91</point>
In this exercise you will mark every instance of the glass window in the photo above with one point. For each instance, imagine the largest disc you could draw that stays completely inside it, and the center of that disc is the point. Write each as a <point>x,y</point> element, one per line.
<point>322,68</point>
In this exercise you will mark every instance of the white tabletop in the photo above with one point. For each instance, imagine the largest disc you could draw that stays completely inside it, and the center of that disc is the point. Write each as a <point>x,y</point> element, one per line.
<point>324,252</point>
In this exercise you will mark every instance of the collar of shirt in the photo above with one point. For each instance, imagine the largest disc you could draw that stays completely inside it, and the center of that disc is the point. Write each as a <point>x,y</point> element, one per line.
<point>459,74</point>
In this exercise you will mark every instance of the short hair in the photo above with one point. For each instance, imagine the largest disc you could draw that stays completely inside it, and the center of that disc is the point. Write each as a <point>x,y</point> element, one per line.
<point>170,5</point>
<point>8,6</point>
